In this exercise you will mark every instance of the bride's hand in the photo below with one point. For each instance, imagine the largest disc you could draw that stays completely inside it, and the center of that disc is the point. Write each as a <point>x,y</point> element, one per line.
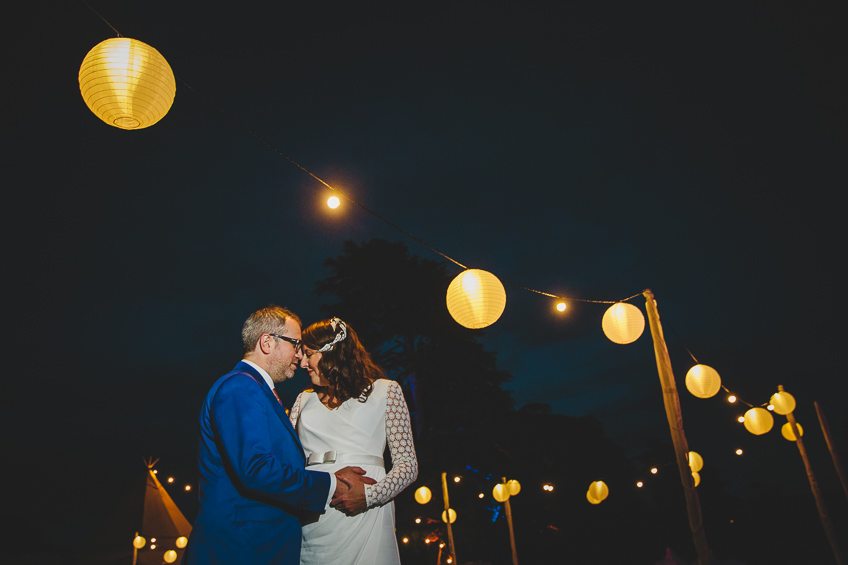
<point>352,501</point>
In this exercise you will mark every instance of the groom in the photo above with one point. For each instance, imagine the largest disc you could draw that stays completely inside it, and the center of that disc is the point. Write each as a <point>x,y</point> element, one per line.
<point>253,482</point>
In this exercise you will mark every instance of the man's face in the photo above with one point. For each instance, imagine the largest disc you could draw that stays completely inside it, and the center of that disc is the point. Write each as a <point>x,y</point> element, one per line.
<point>284,357</point>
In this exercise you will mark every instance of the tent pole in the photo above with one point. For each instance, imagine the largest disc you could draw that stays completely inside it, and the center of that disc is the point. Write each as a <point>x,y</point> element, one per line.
<point>675,424</point>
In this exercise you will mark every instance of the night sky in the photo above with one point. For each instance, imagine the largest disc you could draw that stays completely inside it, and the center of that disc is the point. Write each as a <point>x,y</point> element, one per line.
<point>590,150</point>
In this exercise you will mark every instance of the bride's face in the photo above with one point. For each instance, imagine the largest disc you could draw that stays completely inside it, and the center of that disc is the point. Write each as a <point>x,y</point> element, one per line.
<point>310,363</point>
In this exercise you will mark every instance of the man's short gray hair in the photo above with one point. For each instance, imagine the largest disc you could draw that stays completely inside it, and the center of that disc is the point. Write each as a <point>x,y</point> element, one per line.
<point>268,320</point>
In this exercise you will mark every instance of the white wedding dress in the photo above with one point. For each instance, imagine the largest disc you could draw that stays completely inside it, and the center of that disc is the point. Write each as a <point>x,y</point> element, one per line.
<point>356,434</point>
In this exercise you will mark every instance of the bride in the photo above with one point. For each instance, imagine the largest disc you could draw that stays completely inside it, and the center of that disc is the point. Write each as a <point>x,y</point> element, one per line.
<point>347,419</point>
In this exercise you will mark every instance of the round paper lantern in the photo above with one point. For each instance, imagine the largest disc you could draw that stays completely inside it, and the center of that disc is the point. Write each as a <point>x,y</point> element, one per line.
<point>696,478</point>
<point>696,462</point>
<point>513,487</point>
<point>623,323</point>
<point>181,542</point>
<point>786,431</point>
<point>139,542</point>
<point>476,298</point>
<point>170,556</point>
<point>783,402</point>
<point>758,421</point>
<point>422,495</point>
<point>703,381</point>
<point>591,498</point>
<point>450,512</point>
<point>127,83</point>
<point>500,492</point>
<point>599,490</point>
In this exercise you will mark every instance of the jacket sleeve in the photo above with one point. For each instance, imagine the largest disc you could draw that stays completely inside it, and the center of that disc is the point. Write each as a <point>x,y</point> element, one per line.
<point>262,453</point>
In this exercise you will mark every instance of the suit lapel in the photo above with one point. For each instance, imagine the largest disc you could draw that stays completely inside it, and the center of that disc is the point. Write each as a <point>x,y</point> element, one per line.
<point>278,408</point>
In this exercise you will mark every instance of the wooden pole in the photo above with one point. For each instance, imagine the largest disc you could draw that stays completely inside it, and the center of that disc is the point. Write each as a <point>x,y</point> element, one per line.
<point>814,485</point>
<point>832,448</point>
<point>511,532</point>
<point>675,424</point>
<point>451,547</point>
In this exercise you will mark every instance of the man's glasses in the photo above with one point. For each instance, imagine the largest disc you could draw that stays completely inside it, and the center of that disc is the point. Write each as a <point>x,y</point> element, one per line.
<point>295,342</point>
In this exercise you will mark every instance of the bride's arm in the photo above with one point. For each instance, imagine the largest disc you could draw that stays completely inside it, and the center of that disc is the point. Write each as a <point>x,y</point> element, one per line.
<point>295,411</point>
<point>404,462</point>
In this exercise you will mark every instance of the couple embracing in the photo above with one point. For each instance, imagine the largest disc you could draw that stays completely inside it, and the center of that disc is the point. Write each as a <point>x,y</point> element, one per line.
<point>310,487</point>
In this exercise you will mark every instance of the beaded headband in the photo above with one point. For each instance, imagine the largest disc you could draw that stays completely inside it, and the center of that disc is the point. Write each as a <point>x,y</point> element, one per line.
<point>341,328</point>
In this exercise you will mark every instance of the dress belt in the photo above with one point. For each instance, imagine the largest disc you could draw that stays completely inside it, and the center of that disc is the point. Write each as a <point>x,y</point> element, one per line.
<point>347,458</point>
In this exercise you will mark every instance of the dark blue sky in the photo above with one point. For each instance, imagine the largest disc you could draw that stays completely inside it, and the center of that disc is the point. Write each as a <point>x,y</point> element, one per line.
<point>587,150</point>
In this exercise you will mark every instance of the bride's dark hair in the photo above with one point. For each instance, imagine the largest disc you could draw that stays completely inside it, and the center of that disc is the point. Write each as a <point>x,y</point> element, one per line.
<point>347,366</point>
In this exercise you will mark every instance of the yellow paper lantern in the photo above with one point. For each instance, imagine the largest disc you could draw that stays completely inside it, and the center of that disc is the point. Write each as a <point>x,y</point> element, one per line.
<point>423,495</point>
<point>599,490</point>
<point>590,498</point>
<point>786,431</point>
<point>450,512</point>
<point>783,402</point>
<point>127,83</point>
<point>476,298</point>
<point>703,381</point>
<point>623,323</point>
<point>181,542</point>
<point>513,487</point>
<point>500,492</point>
<point>138,542</point>
<point>170,556</point>
<point>696,462</point>
<point>758,421</point>
<point>696,478</point>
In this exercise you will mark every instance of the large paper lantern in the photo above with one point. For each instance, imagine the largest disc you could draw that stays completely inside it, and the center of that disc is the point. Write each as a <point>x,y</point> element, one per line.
<point>783,402</point>
<point>170,556</point>
<point>758,421</point>
<point>500,492</point>
<point>476,298</point>
<point>696,462</point>
<point>127,83</point>
<point>599,490</point>
<point>450,513</point>
<point>623,323</point>
<point>422,495</point>
<point>703,381</point>
<point>138,542</point>
<point>591,498</point>
<point>181,542</point>
<point>786,431</point>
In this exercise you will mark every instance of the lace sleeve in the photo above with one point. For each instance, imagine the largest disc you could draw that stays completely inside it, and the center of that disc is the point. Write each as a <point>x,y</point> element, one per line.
<point>295,411</point>
<point>404,462</point>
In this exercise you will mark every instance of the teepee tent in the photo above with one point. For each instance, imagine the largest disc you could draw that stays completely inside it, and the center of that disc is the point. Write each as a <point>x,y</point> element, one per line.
<point>162,521</point>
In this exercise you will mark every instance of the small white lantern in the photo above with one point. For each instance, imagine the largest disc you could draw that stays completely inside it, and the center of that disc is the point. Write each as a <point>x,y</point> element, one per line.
<point>500,492</point>
<point>696,462</point>
<point>422,495</point>
<point>703,381</point>
<point>786,431</point>
<point>783,402</point>
<point>476,298</point>
<point>623,323</point>
<point>599,490</point>
<point>449,513</point>
<point>758,421</point>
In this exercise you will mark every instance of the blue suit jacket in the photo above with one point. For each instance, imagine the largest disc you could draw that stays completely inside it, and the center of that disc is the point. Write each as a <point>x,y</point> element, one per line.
<point>253,481</point>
